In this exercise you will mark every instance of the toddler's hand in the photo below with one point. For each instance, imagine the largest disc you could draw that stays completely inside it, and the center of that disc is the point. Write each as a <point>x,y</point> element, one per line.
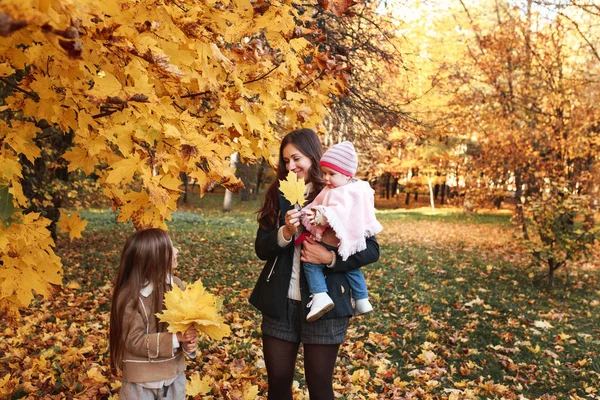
<point>310,214</point>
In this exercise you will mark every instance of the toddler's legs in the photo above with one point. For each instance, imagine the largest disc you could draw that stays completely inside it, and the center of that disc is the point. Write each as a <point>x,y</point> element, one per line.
<point>321,302</point>
<point>358,284</point>
<point>315,277</point>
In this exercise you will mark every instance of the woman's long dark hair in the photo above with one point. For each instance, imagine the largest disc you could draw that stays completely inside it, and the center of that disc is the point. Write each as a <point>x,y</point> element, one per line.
<point>147,257</point>
<point>307,141</point>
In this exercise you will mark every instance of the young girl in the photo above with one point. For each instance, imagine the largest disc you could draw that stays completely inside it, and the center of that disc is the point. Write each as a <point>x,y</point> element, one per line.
<point>341,217</point>
<point>150,358</point>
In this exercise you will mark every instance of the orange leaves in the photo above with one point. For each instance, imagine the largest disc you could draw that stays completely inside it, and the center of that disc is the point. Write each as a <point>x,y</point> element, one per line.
<point>337,7</point>
<point>23,244</point>
<point>8,385</point>
<point>73,225</point>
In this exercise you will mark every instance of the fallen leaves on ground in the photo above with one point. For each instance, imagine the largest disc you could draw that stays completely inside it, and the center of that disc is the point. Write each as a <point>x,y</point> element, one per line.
<point>456,317</point>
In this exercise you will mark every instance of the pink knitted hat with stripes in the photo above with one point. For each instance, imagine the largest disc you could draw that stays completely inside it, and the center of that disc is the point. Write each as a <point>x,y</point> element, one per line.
<point>342,158</point>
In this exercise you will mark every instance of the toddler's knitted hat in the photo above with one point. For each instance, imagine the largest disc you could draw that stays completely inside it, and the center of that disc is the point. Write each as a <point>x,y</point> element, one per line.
<point>342,158</point>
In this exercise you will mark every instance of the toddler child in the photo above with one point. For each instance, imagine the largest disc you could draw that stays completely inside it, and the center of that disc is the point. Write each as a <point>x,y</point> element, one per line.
<point>341,217</point>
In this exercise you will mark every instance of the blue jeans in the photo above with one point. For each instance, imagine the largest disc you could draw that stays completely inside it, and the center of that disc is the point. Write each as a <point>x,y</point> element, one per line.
<point>316,279</point>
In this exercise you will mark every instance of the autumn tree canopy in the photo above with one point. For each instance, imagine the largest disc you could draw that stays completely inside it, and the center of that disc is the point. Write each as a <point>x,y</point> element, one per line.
<point>141,92</point>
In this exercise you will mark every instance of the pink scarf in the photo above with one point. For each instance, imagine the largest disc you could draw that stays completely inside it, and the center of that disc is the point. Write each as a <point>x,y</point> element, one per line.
<point>350,212</point>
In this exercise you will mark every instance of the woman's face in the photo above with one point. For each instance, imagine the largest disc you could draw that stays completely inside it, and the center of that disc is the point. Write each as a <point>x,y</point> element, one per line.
<point>296,161</point>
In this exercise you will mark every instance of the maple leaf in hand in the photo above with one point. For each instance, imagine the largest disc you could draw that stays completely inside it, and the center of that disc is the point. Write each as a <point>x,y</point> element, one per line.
<point>194,306</point>
<point>293,189</point>
<point>73,225</point>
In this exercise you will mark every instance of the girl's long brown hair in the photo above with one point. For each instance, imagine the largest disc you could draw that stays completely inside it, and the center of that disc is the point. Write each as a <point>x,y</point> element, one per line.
<point>147,257</point>
<point>307,141</point>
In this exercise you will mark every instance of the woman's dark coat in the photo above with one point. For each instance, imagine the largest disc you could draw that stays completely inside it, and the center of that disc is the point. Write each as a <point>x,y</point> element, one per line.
<point>271,290</point>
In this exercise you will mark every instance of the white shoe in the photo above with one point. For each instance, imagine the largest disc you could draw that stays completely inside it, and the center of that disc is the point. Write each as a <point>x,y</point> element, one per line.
<point>362,306</point>
<point>319,305</point>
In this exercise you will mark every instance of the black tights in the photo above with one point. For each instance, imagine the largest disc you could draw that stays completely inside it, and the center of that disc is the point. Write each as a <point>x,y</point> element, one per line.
<point>319,362</point>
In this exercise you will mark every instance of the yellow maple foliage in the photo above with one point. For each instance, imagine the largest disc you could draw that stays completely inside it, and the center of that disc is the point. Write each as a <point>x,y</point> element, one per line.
<point>293,189</point>
<point>23,244</point>
<point>72,224</point>
<point>149,91</point>
<point>194,306</point>
<point>198,386</point>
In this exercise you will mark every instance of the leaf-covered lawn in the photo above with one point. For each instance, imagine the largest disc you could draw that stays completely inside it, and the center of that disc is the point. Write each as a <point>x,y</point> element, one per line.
<point>459,314</point>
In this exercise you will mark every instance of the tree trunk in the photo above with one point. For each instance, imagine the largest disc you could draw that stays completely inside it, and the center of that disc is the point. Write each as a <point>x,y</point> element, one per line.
<point>228,200</point>
<point>387,185</point>
<point>443,188</point>
<point>184,178</point>
<point>519,209</point>
<point>260,174</point>
<point>431,200</point>
<point>41,184</point>
<point>243,172</point>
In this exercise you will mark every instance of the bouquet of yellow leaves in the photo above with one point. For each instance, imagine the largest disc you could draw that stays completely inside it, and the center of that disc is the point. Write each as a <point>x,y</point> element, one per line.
<point>194,306</point>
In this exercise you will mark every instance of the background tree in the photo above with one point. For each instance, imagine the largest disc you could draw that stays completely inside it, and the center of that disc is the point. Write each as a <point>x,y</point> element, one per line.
<point>528,93</point>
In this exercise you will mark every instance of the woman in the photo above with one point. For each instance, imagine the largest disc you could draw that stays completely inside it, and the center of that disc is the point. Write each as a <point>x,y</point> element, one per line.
<point>281,292</point>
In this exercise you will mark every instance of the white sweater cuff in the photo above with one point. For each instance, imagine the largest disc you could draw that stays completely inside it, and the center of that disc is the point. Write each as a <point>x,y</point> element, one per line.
<point>281,240</point>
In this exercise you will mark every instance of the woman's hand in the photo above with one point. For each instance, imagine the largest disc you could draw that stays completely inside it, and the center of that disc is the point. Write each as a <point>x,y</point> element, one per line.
<point>315,253</point>
<point>292,221</point>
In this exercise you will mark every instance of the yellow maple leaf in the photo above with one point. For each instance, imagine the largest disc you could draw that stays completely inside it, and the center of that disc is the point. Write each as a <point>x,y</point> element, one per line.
<point>79,158</point>
<point>74,285</point>
<point>6,69</point>
<point>7,385</point>
<point>23,273</point>
<point>360,376</point>
<point>20,138</point>
<point>123,170</point>
<point>197,385</point>
<point>9,167</point>
<point>230,117</point>
<point>194,306</point>
<point>73,224</point>
<point>96,374</point>
<point>251,392</point>
<point>293,189</point>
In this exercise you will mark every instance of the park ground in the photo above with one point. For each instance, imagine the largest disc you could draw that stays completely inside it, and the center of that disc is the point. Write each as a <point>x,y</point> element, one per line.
<point>460,313</point>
